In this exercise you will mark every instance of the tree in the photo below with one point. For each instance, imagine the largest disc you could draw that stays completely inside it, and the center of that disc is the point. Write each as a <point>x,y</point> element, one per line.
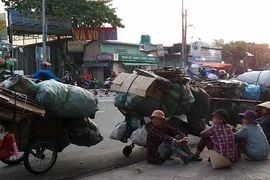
<point>218,42</point>
<point>94,13</point>
<point>234,52</point>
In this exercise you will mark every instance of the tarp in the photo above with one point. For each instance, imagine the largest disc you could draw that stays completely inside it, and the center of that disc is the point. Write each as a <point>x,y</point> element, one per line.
<point>215,65</point>
<point>256,77</point>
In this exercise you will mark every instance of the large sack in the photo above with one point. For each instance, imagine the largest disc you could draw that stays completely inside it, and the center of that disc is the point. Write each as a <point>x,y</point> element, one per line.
<point>201,106</point>
<point>83,132</point>
<point>143,106</point>
<point>256,77</point>
<point>251,92</point>
<point>66,100</point>
<point>178,100</point>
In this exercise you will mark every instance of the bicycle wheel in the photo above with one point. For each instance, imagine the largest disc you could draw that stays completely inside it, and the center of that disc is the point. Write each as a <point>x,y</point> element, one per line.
<point>40,157</point>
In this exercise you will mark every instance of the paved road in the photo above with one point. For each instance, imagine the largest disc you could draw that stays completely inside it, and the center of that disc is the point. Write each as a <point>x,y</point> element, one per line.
<point>77,161</point>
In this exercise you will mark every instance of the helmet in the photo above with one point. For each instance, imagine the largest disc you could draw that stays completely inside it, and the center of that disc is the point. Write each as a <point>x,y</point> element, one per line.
<point>222,72</point>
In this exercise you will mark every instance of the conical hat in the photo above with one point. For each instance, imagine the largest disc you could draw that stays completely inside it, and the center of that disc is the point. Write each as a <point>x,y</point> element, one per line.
<point>218,161</point>
<point>265,104</point>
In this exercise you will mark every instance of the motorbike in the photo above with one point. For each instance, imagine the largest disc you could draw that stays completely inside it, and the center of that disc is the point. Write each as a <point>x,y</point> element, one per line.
<point>108,82</point>
<point>91,84</point>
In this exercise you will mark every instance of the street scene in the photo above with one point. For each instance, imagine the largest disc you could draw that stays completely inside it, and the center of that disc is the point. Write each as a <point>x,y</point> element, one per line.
<point>117,90</point>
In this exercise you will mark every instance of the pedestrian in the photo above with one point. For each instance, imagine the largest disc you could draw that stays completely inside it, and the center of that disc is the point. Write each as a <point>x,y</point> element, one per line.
<point>212,75</point>
<point>252,138</point>
<point>219,137</point>
<point>264,120</point>
<point>88,76</point>
<point>163,141</point>
<point>67,78</point>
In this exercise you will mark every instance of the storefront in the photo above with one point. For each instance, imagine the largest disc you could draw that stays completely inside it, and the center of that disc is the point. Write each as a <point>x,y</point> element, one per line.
<point>131,62</point>
<point>106,63</point>
<point>102,66</point>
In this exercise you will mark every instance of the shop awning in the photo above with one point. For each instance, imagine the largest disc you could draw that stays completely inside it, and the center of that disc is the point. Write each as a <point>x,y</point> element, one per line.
<point>215,65</point>
<point>96,64</point>
<point>137,64</point>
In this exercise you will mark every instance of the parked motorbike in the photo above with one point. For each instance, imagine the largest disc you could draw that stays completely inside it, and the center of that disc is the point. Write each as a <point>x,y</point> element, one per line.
<point>108,82</point>
<point>91,84</point>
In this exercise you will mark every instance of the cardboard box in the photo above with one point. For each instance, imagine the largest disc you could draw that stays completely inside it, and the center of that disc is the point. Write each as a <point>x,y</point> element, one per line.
<point>138,85</point>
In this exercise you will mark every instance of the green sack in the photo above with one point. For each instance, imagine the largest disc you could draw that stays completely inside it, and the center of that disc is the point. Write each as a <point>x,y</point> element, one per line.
<point>66,100</point>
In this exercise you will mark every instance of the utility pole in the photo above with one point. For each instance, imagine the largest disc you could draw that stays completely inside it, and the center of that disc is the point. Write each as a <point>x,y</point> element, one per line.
<point>185,38</point>
<point>183,33</point>
<point>44,31</point>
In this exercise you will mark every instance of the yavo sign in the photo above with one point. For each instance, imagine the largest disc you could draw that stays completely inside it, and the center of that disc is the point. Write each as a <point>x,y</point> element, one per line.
<point>88,33</point>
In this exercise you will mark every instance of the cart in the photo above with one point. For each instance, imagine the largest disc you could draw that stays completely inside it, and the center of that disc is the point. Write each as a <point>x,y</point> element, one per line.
<point>233,107</point>
<point>38,139</point>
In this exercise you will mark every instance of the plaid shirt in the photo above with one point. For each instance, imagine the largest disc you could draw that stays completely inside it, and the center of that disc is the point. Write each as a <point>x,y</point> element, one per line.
<point>223,140</point>
<point>155,137</point>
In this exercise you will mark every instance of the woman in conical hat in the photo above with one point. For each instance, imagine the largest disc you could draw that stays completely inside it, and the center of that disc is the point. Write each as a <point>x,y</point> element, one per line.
<point>264,121</point>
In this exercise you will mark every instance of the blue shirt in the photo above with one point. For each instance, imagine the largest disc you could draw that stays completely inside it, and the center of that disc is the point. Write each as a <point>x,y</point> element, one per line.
<point>44,74</point>
<point>257,147</point>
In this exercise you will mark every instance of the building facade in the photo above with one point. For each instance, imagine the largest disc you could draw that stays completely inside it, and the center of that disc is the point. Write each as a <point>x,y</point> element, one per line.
<point>101,58</point>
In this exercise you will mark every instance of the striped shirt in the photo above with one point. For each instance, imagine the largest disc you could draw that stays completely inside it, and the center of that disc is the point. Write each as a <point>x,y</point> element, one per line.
<point>223,140</point>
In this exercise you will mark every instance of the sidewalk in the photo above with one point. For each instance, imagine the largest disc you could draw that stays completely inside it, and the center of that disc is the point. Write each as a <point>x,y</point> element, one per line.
<point>175,170</point>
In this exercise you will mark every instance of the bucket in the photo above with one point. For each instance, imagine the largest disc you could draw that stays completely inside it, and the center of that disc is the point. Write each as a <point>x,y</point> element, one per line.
<point>23,85</point>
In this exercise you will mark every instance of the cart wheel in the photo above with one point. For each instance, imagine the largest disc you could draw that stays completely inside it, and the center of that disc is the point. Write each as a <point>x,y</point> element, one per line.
<point>12,161</point>
<point>128,150</point>
<point>40,157</point>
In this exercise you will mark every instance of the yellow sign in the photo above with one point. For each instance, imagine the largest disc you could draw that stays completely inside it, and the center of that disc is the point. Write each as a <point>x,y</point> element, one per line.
<point>76,46</point>
<point>3,26</point>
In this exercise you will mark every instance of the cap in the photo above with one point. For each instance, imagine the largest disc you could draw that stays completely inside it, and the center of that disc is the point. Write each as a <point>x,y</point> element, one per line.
<point>250,116</point>
<point>223,114</point>
<point>159,114</point>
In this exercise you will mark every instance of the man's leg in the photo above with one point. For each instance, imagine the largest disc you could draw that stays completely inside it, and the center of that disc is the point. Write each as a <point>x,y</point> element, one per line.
<point>165,151</point>
<point>204,141</point>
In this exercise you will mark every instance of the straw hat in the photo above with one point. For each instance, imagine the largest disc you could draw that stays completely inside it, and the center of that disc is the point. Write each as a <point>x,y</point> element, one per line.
<point>218,161</point>
<point>265,104</point>
<point>159,114</point>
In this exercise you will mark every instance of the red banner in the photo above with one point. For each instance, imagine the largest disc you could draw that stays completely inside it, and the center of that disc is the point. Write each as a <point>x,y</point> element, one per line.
<point>88,33</point>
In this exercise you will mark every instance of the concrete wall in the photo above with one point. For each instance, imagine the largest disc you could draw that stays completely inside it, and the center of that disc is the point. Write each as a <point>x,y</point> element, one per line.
<point>116,48</point>
<point>91,50</point>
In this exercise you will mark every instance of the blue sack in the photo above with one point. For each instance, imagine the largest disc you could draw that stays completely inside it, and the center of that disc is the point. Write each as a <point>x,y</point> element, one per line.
<point>251,92</point>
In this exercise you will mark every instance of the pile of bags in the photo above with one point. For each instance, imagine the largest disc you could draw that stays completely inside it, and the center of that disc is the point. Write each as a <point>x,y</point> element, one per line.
<point>136,94</point>
<point>75,104</point>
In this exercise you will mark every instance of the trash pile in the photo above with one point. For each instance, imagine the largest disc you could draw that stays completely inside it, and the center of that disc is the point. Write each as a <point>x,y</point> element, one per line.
<point>166,89</point>
<point>19,96</point>
<point>222,88</point>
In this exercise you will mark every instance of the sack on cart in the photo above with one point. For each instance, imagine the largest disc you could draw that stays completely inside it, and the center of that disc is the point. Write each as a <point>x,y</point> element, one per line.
<point>139,136</point>
<point>119,131</point>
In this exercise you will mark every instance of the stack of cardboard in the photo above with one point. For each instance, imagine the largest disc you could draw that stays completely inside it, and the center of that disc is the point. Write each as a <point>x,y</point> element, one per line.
<point>174,74</point>
<point>14,105</point>
<point>221,88</point>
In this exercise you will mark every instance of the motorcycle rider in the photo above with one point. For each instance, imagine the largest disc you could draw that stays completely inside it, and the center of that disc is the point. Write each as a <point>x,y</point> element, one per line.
<point>67,78</point>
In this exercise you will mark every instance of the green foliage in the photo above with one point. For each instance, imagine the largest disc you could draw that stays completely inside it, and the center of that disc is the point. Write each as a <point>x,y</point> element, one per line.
<point>233,52</point>
<point>218,42</point>
<point>94,13</point>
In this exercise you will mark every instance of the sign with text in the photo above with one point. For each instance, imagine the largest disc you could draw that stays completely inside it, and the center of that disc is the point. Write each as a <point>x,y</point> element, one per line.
<point>160,50</point>
<point>33,20</point>
<point>89,33</point>
<point>76,46</point>
<point>104,57</point>
<point>136,58</point>
<point>3,26</point>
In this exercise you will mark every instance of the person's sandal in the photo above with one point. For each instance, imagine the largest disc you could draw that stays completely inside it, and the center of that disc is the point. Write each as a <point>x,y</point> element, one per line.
<point>196,158</point>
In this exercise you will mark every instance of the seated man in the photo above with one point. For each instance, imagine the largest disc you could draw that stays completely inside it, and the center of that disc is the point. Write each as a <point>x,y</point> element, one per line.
<point>255,145</point>
<point>163,141</point>
<point>264,121</point>
<point>219,137</point>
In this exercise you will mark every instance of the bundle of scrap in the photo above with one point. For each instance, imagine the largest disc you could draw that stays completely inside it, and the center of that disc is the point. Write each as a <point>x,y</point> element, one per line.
<point>14,105</point>
<point>174,74</point>
<point>221,88</point>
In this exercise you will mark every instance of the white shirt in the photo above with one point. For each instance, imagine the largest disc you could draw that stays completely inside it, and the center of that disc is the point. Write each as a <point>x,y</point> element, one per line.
<point>212,76</point>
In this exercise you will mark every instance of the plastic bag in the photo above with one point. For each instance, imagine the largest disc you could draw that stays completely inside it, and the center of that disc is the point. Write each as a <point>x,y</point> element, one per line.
<point>119,131</point>
<point>139,136</point>
<point>251,92</point>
